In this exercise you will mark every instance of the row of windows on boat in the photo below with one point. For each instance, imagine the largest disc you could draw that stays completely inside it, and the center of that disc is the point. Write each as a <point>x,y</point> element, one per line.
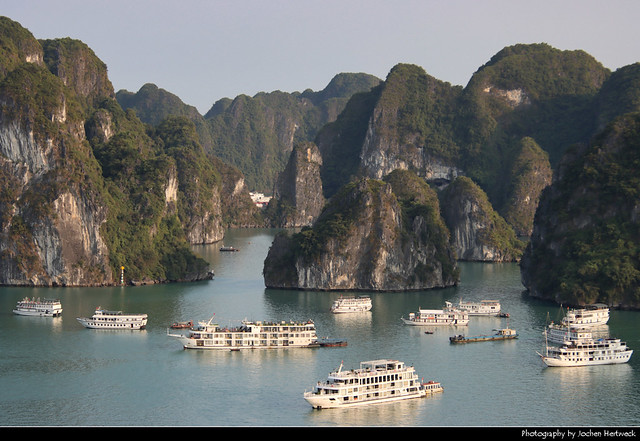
<point>369,380</point>
<point>251,336</point>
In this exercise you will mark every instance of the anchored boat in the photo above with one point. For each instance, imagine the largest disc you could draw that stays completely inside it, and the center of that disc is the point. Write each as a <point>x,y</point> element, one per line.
<point>351,304</point>
<point>438,317</point>
<point>103,319</point>
<point>587,352</point>
<point>483,307</point>
<point>251,335</point>
<point>37,307</point>
<point>501,334</point>
<point>376,381</point>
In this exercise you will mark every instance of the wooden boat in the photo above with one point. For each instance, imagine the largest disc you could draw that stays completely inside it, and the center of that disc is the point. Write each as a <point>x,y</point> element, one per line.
<point>182,325</point>
<point>501,334</point>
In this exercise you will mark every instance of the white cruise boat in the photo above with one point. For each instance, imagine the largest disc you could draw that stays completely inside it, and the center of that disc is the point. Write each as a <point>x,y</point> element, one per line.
<point>483,307</point>
<point>560,333</point>
<point>438,317</point>
<point>251,335</point>
<point>103,319</point>
<point>351,304</point>
<point>587,352</point>
<point>592,315</point>
<point>377,381</point>
<point>37,307</point>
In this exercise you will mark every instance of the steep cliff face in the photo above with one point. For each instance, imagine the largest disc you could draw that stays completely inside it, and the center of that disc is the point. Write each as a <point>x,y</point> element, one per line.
<point>84,188</point>
<point>478,232</point>
<point>530,174</point>
<point>364,240</point>
<point>297,197</point>
<point>52,213</point>
<point>584,246</point>
<point>411,127</point>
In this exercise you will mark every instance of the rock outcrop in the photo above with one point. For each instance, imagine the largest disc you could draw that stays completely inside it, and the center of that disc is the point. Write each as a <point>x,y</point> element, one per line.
<point>478,232</point>
<point>297,197</point>
<point>584,246</point>
<point>366,239</point>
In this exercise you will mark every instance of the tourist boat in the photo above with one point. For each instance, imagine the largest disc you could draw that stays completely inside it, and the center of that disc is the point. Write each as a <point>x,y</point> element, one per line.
<point>229,249</point>
<point>103,319</point>
<point>43,308</point>
<point>181,325</point>
<point>376,381</point>
<point>587,352</point>
<point>501,334</point>
<point>251,335</point>
<point>351,304</point>
<point>483,307</point>
<point>591,315</point>
<point>557,333</point>
<point>438,317</point>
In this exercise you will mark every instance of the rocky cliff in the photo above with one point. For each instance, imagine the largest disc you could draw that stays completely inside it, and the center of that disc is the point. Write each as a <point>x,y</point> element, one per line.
<point>584,246</point>
<point>366,239</point>
<point>297,197</point>
<point>478,232</point>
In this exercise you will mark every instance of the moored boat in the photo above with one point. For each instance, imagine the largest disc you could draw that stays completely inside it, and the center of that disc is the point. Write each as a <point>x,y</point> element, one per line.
<point>501,334</point>
<point>557,333</point>
<point>447,316</point>
<point>251,335</point>
<point>587,352</point>
<point>483,307</point>
<point>591,315</point>
<point>37,307</point>
<point>104,319</point>
<point>376,381</point>
<point>351,304</point>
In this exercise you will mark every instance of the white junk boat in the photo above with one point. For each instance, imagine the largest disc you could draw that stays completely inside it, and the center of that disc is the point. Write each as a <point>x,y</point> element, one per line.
<point>43,308</point>
<point>438,317</point>
<point>351,304</point>
<point>592,315</point>
<point>250,335</point>
<point>377,381</point>
<point>103,319</point>
<point>483,307</point>
<point>587,352</point>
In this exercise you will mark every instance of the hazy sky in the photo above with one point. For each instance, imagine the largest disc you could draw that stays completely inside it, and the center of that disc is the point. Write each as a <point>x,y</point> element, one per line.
<point>204,50</point>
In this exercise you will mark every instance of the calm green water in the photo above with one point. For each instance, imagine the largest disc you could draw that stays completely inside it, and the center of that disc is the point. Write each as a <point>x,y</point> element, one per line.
<point>55,372</point>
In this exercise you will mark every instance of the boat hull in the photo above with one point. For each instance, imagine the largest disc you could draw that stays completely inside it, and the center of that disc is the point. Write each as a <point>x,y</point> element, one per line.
<point>326,402</point>
<point>555,362</point>
<point>452,322</point>
<point>93,324</point>
<point>35,313</point>
<point>459,339</point>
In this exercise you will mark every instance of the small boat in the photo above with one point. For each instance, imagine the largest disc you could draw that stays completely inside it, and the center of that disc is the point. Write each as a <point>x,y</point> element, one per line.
<point>447,316</point>
<point>229,249</point>
<point>103,319</point>
<point>332,343</point>
<point>351,304</point>
<point>37,307</point>
<point>501,334</point>
<point>428,332</point>
<point>182,325</point>
<point>376,381</point>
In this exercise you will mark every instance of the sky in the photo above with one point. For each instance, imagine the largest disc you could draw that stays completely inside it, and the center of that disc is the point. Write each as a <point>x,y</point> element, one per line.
<point>205,50</point>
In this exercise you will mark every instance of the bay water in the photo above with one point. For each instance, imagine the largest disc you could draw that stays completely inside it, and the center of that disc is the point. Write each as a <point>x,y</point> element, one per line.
<point>55,372</point>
